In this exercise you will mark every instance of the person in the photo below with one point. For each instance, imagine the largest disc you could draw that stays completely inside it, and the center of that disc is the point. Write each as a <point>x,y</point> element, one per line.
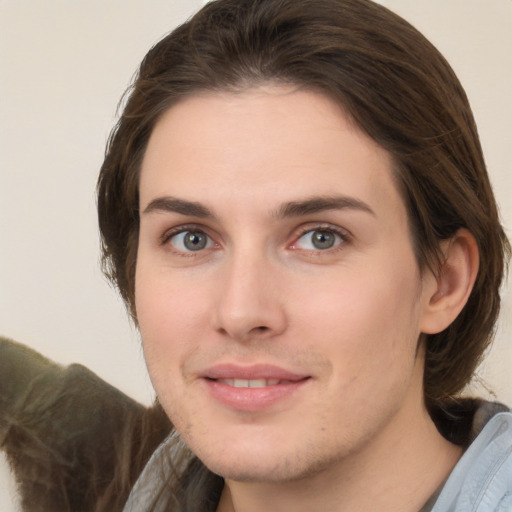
<point>295,208</point>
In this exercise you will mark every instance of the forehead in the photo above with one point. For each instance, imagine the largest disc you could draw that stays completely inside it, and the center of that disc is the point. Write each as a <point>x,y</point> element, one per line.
<point>271,144</point>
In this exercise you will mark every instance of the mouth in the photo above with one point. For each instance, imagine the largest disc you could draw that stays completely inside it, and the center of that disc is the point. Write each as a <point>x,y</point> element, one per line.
<point>252,388</point>
<point>252,383</point>
<point>246,375</point>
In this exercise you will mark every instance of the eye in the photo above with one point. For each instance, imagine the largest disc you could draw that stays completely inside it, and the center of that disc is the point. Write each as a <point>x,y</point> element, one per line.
<point>190,241</point>
<point>319,240</point>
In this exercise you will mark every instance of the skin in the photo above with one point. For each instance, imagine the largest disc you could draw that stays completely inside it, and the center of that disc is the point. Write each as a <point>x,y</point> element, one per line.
<point>348,317</point>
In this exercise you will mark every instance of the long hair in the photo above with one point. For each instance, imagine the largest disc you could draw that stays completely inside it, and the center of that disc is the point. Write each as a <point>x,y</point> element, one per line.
<point>394,84</point>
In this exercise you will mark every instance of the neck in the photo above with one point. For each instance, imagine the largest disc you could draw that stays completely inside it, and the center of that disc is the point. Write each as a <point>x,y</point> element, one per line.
<point>396,472</point>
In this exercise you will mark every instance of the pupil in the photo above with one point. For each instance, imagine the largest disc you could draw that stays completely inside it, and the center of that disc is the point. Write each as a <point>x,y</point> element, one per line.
<point>323,239</point>
<point>195,241</point>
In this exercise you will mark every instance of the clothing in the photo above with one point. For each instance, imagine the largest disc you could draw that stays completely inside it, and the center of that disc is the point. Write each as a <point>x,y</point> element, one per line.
<point>480,482</point>
<point>482,479</point>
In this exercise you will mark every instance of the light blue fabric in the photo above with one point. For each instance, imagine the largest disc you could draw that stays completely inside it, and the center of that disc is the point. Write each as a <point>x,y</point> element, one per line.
<point>482,479</point>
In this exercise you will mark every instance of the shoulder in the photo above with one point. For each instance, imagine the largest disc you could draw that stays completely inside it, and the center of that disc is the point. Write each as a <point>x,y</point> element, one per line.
<point>482,479</point>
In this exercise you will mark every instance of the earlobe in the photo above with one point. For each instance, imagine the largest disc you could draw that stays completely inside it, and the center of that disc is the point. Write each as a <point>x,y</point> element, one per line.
<point>453,284</point>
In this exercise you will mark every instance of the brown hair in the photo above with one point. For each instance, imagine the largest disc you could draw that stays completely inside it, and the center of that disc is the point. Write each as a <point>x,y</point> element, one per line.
<point>389,78</point>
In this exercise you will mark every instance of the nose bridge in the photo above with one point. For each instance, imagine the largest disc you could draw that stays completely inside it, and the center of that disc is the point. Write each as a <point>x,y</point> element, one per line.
<point>249,303</point>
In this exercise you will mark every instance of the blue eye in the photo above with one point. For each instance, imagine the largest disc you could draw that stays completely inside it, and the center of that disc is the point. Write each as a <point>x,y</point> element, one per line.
<point>319,240</point>
<point>191,240</point>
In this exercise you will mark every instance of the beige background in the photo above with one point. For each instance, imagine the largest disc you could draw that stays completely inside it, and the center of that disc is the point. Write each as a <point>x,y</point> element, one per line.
<point>63,68</point>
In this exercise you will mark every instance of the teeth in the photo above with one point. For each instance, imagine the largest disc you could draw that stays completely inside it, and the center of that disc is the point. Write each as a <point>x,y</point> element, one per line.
<point>257,383</point>
<point>250,383</point>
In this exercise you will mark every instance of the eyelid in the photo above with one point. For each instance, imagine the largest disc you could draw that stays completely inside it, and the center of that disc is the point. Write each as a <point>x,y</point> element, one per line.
<point>183,228</point>
<point>343,233</point>
<point>176,230</point>
<point>299,232</point>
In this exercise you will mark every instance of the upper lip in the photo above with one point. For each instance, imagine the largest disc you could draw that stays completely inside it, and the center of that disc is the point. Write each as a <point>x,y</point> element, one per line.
<point>251,372</point>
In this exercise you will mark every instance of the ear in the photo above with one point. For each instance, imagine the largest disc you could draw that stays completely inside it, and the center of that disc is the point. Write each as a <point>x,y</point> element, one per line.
<point>448,292</point>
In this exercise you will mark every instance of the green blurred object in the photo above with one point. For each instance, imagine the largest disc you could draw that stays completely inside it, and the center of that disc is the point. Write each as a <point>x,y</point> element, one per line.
<point>74,442</point>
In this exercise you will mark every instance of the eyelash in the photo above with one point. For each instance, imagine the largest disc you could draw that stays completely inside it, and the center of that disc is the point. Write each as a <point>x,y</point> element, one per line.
<point>343,234</point>
<point>168,235</point>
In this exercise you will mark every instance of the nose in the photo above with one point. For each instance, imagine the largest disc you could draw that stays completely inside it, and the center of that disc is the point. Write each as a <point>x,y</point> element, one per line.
<point>249,305</point>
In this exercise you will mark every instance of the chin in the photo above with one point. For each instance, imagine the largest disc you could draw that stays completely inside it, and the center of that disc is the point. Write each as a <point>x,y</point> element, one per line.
<point>262,471</point>
<point>269,464</point>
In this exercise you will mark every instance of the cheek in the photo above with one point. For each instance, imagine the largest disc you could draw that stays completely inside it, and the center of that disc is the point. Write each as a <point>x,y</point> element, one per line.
<point>167,321</point>
<point>364,320</point>
<point>168,326</point>
<point>165,302</point>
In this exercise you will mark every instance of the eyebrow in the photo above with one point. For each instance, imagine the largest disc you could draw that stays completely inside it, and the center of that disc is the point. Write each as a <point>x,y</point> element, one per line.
<point>290,209</point>
<point>321,204</point>
<point>181,206</point>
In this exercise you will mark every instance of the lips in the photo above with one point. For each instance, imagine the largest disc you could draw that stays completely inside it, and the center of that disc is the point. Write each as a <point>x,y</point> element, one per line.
<point>259,372</point>
<point>252,388</point>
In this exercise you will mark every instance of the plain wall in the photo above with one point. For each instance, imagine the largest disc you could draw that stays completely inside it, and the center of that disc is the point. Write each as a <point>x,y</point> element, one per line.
<point>63,68</point>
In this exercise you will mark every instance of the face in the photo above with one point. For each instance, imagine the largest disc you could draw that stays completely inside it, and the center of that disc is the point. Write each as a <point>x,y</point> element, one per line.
<point>277,292</point>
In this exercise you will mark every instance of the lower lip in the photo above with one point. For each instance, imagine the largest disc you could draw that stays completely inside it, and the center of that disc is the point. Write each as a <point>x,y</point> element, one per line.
<point>252,399</point>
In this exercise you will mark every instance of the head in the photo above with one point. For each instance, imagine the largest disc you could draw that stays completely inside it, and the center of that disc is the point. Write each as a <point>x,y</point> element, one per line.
<point>388,81</point>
